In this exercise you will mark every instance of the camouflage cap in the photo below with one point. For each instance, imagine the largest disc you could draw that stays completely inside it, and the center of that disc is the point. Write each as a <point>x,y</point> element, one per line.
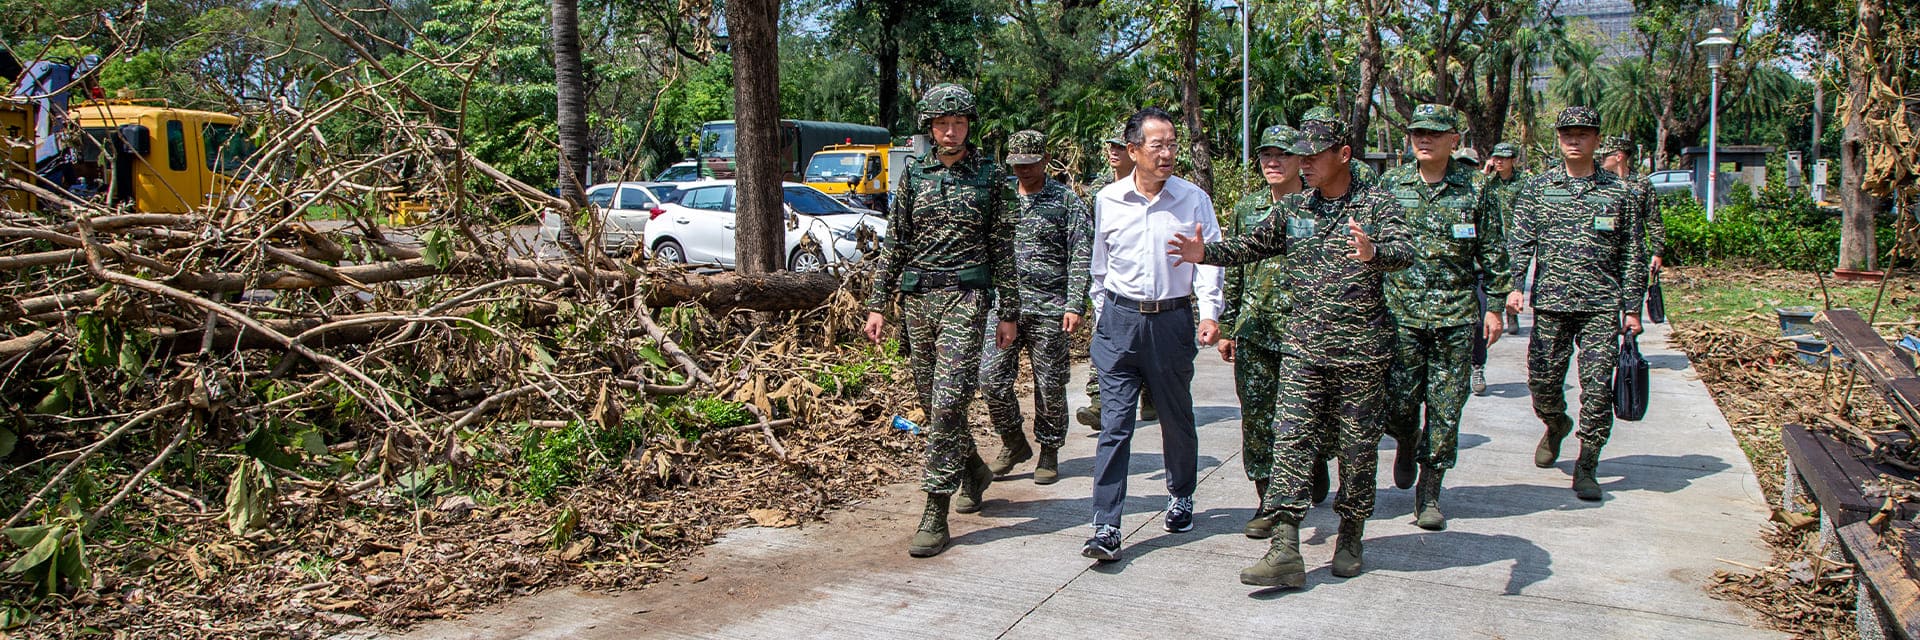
<point>1278,136</point>
<point>1467,155</point>
<point>945,99</point>
<point>1118,136</point>
<point>1577,116</point>
<point>1505,150</point>
<point>1320,130</point>
<point>1027,147</point>
<point>1614,144</point>
<point>1435,117</point>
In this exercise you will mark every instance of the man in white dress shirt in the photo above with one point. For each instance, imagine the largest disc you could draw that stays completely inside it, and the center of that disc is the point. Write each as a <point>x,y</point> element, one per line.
<point>1145,335</point>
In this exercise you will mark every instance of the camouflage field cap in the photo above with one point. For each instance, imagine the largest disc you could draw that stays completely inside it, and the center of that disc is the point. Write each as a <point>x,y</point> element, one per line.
<point>1118,136</point>
<point>1280,137</point>
<point>1027,147</point>
<point>1505,150</point>
<point>1321,129</point>
<point>945,99</point>
<point>1614,144</point>
<point>1577,116</point>
<point>1467,155</point>
<point>1435,117</point>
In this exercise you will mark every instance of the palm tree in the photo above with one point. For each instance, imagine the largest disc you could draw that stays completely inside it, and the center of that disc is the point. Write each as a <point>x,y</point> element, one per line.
<point>570,88</point>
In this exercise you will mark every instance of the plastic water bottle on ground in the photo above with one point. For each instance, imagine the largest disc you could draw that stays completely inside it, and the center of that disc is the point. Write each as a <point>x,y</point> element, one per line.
<point>902,423</point>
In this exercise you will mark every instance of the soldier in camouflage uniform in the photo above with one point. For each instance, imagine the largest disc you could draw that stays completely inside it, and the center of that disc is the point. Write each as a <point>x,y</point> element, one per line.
<point>1340,238</point>
<point>1616,155</point>
<point>1053,248</point>
<point>1119,165</point>
<point>1255,321</point>
<point>1582,224</point>
<point>1504,180</point>
<point>949,253</point>
<point>1458,243</point>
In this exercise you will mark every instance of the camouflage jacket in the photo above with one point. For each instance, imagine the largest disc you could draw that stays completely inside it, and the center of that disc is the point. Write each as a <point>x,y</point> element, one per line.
<point>1256,294</point>
<point>1339,309</point>
<point>1458,240</point>
<point>1655,228</point>
<point>949,218</point>
<point>1099,183</point>
<point>1053,252</point>
<point>1585,232</point>
<point>1504,190</point>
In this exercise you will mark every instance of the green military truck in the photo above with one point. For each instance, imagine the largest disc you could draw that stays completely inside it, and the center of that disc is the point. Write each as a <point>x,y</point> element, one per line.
<point>799,140</point>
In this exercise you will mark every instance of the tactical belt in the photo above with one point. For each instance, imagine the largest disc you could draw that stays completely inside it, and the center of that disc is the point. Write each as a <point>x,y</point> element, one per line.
<point>967,279</point>
<point>1150,306</point>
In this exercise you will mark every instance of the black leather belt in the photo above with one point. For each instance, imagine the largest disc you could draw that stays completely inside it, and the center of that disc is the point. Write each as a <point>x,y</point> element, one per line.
<point>1149,306</point>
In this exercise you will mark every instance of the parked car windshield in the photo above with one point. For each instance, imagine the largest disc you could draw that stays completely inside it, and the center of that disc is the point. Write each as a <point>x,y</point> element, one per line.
<point>663,192</point>
<point>678,173</point>
<point>806,200</point>
<point>831,167</point>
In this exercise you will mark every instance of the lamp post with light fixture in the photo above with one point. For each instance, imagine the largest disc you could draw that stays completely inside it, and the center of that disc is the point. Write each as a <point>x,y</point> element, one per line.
<point>1715,44</point>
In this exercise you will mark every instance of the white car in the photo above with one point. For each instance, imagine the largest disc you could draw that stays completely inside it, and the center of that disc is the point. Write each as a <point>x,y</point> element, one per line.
<point>682,171</point>
<point>697,226</point>
<point>624,207</point>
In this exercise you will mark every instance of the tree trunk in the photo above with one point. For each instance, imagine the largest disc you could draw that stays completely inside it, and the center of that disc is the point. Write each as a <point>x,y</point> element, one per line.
<point>760,240</point>
<point>1190,97</point>
<point>888,56</point>
<point>1371,66</point>
<point>1856,206</point>
<point>570,87</point>
<point>781,291</point>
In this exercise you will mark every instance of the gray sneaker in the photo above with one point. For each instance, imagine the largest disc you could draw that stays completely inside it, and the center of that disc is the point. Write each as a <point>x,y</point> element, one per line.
<point>1479,381</point>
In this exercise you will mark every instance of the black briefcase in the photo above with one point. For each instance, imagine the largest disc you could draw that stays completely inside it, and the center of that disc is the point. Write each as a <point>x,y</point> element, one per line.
<point>1656,302</point>
<point>1630,381</point>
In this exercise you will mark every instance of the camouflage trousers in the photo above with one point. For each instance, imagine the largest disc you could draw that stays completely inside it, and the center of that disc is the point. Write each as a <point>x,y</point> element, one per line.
<point>943,329</point>
<point>1046,346</point>
<point>1555,336</point>
<point>1327,403</point>
<point>1430,371</point>
<point>1256,379</point>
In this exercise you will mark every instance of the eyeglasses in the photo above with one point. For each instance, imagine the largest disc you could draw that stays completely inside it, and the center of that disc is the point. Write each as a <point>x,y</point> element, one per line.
<point>1162,146</point>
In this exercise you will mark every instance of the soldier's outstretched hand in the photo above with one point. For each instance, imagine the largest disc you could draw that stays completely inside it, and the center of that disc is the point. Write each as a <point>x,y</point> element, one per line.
<point>1189,249</point>
<point>1358,241</point>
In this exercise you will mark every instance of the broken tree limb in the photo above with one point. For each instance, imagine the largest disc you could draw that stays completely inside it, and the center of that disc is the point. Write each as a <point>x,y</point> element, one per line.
<point>776,291</point>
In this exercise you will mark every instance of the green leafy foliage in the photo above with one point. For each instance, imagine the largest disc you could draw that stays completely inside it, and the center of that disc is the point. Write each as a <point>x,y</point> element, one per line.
<point>56,554</point>
<point>1779,228</point>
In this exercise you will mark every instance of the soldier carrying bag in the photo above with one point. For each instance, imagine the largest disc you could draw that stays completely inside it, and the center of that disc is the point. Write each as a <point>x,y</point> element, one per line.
<point>1630,381</point>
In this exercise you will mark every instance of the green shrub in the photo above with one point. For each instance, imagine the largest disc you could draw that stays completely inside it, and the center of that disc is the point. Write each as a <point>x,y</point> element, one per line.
<point>1778,228</point>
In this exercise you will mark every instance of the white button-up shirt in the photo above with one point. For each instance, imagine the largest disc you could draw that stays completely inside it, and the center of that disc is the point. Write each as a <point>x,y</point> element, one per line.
<point>1130,238</point>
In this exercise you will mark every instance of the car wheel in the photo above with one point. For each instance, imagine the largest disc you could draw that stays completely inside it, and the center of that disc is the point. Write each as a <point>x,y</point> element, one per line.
<point>670,251</point>
<point>806,261</point>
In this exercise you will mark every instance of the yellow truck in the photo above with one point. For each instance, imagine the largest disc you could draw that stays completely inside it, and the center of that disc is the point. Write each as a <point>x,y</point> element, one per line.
<point>158,158</point>
<point>860,175</point>
<point>16,134</point>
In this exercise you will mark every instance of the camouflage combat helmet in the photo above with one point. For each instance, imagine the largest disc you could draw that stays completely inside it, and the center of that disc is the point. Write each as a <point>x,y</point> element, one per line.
<point>945,99</point>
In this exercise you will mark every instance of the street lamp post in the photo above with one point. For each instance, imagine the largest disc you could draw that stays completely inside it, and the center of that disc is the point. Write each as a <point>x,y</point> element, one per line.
<point>1239,11</point>
<point>1715,43</point>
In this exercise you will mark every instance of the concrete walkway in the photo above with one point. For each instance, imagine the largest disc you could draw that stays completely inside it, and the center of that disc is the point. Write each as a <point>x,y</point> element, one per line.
<point>1523,558</point>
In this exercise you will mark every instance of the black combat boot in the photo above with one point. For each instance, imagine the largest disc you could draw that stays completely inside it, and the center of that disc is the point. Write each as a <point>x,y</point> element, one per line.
<point>1405,462</point>
<point>932,537</point>
<point>1585,485</point>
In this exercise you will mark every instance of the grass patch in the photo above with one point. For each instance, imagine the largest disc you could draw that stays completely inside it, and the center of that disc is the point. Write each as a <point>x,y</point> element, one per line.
<point>1745,299</point>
